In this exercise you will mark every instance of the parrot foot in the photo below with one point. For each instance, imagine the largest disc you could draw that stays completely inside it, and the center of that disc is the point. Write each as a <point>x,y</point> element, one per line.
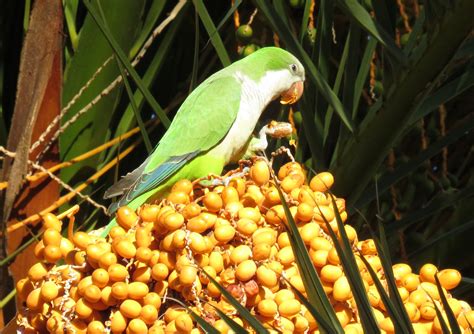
<point>258,146</point>
<point>259,143</point>
<point>226,179</point>
<point>232,176</point>
<point>217,182</point>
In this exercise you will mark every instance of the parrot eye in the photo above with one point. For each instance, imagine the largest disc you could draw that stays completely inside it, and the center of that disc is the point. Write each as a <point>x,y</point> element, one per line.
<point>293,67</point>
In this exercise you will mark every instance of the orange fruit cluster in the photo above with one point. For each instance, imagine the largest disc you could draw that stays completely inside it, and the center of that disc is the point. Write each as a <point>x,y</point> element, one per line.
<point>158,258</point>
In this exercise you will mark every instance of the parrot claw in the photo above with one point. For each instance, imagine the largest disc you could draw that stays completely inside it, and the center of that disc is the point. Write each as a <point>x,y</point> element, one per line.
<point>227,179</point>
<point>217,182</point>
<point>259,147</point>
<point>274,129</point>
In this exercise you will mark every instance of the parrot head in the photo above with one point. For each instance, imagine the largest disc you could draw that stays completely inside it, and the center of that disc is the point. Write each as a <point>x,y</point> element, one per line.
<point>293,94</point>
<point>283,72</point>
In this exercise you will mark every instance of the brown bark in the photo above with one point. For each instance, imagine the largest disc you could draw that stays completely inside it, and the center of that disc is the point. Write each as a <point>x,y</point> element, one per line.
<point>37,103</point>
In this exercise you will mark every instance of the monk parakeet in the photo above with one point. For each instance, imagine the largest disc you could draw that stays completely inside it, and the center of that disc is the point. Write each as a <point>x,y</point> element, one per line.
<point>214,125</point>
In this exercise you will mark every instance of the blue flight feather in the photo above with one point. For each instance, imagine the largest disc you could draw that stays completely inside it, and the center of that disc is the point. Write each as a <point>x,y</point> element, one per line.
<point>153,179</point>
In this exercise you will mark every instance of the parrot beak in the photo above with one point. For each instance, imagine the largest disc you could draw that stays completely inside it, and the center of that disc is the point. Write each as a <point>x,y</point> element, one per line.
<point>293,94</point>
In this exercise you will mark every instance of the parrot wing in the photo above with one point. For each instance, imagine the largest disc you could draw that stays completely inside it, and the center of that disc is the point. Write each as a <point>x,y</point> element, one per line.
<point>201,123</point>
<point>126,182</point>
<point>151,180</point>
<point>203,119</point>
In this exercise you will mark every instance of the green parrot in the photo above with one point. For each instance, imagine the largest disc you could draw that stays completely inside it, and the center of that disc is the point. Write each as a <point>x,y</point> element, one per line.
<point>214,125</point>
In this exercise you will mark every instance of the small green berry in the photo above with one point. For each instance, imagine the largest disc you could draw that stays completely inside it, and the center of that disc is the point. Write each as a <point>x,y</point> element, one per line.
<point>378,88</point>
<point>249,49</point>
<point>311,36</point>
<point>244,33</point>
<point>296,3</point>
<point>404,39</point>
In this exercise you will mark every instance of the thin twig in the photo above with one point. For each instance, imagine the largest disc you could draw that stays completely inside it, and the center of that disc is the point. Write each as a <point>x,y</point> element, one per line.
<point>334,37</point>
<point>66,198</point>
<point>158,30</point>
<point>404,16</point>
<point>35,177</point>
<point>311,14</point>
<point>64,110</point>
<point>68,187</point>
<point>118,79</point>
<point>254,13</point>
<point>373,67</point>
<point>84,156</point>
<point>236,16</point>
<point>276,39</point>
<point>55,178</point>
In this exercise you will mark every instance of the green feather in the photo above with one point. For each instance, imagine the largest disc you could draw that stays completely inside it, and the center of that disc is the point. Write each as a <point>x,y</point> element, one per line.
<point>203,119</point>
